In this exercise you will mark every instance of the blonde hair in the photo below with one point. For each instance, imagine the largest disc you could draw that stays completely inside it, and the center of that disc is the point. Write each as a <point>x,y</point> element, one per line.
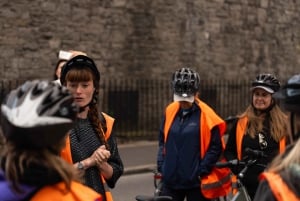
<point>278,122</point>
<point>17,159</point>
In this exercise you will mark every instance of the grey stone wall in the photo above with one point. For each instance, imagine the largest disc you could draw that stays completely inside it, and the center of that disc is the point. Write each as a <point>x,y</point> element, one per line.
<point>222,39</point>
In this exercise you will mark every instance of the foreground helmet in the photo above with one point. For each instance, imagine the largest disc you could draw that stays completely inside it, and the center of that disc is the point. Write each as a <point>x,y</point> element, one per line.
<point>268,82</point>
<point>185,82</point>
<point>80,61</point>
<point>37,114</point>
<point>290,94</point>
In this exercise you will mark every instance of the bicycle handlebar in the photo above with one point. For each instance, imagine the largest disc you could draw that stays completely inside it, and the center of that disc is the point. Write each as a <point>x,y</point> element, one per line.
<point>230,163</point>
<point>230,119</point>
<point>244,170</point>
<point>255,153</point>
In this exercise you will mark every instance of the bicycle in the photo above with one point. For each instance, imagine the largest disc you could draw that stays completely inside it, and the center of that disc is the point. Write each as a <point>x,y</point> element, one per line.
<point>157,178</point>
<point>242,194</point>
<point>158,185</point>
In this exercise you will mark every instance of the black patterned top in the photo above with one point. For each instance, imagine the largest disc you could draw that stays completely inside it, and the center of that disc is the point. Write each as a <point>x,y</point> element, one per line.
<point>84,141</point>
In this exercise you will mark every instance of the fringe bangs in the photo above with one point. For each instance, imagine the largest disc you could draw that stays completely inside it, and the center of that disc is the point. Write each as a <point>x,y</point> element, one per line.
<point>79,75</point>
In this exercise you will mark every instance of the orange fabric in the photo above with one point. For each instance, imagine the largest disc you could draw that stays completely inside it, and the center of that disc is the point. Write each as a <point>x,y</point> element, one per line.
<point>66,152</point>
<point>58,191</point>
<point>241,128</point>
<point>240,132</point>
<point>217,183</point>
<point>210,119</point>
<point>282,144</point>
<point>170,115</point>
<point>279,188</point>
<point>109,125</point>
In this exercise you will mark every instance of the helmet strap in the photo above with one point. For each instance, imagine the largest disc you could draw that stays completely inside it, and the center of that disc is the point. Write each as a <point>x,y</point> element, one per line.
<point>292,124</point>
<point>81,109</point>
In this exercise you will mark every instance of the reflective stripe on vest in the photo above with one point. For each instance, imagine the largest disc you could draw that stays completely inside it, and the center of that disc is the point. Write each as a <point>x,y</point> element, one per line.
<point>235,186</point>
<point>66,153</point>
<point>279,188</point>
<point>218,182</point>
<point>241,128</point>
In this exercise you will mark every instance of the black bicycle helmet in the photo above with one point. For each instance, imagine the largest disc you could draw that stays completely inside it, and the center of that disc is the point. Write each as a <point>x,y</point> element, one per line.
<point>80,61</point>
<point>290,94</point>
<point>268,82</point>
<point>37,114</point>
<point>185,82</point>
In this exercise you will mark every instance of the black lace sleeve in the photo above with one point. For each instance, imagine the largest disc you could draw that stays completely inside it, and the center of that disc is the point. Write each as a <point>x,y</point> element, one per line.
<point>115,161</point>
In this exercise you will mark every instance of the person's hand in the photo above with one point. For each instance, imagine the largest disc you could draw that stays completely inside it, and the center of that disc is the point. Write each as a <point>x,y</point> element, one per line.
<point>100,156</point>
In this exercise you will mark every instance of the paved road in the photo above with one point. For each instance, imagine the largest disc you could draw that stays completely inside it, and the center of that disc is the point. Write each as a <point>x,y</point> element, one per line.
<point>139,156</point>
<point>131,185</point>
<point>139,160</point>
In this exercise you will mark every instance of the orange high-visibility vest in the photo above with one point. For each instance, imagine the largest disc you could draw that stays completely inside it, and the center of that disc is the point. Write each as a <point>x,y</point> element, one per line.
<point>279,188</point>
<point>241,128</point>
<point>78,192</point>
<point>218,182</point>
<point>66,153</point>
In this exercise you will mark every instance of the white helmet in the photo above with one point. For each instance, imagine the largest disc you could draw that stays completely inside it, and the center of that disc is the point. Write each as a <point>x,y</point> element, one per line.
<point>37,114</point>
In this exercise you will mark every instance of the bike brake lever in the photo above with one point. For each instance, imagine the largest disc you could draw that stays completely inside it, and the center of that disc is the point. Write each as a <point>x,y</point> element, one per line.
<point>244,170</point>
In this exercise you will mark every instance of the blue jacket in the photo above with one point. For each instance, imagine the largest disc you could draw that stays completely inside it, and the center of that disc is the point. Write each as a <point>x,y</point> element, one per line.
<point>182,165</point>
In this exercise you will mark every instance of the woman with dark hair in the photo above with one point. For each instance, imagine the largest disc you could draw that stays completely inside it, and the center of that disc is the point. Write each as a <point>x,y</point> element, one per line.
<point>91,144</point>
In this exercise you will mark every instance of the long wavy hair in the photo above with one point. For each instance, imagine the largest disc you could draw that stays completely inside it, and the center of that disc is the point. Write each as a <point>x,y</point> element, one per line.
<point>277,118</point>
<point>84,74</point>
<point>17,159</point>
